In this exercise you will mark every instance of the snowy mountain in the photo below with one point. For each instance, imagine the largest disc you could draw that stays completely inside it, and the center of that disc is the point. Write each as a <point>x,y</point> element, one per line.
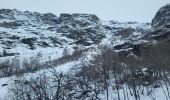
<point>26,34</point>
<point>29,31</point>
<point>33,43</point>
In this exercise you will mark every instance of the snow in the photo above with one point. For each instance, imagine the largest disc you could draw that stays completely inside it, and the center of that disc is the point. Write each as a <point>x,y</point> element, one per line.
<point>157,94</point>
<point>133,25</point>
<point>45,54</point>
<point>4,89</point>
<point>65,68</point>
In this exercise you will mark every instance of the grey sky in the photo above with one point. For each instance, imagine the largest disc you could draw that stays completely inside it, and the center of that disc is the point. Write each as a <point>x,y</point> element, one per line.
<point>120,10</point>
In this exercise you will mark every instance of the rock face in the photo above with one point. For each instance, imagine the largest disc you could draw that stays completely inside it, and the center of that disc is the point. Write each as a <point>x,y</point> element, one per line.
<point>49,30</point>
<point>161,24</point>
<point>33,30</point>
<point>162,17</point>
<point>85,28</point>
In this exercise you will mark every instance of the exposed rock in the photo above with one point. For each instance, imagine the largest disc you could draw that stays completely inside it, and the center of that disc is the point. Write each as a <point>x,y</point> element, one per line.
<point>13,25</point>
<point>38,30</point>
<point>49,18</point>
<point>126,32</point>
<point>29,42</point>
<point>162,17</point>
<point>4,84</point>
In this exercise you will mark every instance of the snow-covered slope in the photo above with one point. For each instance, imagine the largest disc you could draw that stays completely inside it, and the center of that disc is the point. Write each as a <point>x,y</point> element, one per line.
<point>26,34</point>
<point>47,37</point>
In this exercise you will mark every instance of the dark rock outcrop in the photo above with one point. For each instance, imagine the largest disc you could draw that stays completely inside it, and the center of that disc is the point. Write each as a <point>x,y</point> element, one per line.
<point>161,24</point>
<point>162,17</point>
<point>49,18</point>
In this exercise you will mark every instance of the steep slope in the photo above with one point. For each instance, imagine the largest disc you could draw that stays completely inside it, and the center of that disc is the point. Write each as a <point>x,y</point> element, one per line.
<point>25,33</point>
<point>69,40</point>
<point>162,18</point>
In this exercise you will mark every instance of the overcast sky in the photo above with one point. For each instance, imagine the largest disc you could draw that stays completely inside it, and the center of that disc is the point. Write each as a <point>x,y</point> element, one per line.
<point>120,10</point>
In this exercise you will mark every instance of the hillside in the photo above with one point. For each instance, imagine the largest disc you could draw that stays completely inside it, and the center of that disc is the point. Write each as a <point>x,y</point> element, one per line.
<point>80,57</point>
